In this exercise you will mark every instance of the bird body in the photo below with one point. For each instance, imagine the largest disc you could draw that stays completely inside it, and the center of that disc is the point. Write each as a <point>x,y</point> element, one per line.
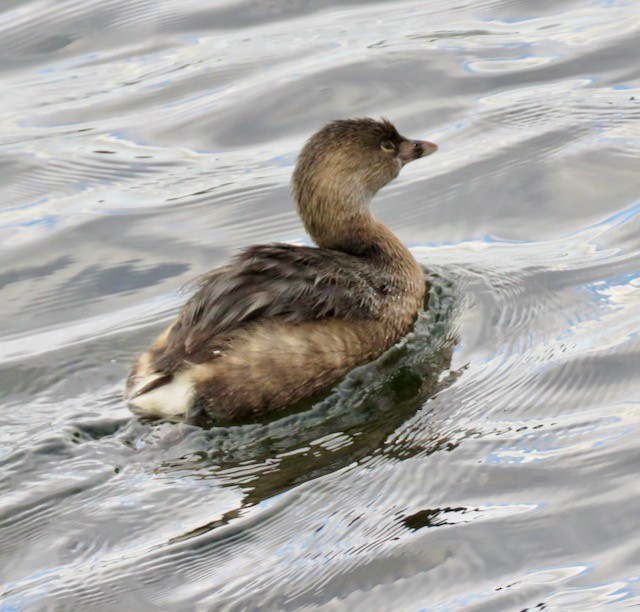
<point>281,322</point>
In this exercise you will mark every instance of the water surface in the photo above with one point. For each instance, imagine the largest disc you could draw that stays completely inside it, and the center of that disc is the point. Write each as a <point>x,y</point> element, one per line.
<point>489,462</point>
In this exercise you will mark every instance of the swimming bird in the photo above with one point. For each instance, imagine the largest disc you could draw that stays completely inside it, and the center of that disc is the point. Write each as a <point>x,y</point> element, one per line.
<point>281,321</point>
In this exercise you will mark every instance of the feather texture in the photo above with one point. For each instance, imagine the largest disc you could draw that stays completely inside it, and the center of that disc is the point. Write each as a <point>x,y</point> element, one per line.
<point>291,283</point>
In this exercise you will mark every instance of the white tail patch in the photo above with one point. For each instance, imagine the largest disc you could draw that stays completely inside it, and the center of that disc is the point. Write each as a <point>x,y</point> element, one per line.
<point>172,399</point>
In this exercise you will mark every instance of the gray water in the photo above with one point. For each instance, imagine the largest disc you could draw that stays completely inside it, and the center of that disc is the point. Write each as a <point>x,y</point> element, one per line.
<point>490,462</point>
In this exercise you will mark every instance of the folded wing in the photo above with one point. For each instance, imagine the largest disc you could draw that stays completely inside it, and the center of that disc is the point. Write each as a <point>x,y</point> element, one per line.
<point>291,283</point>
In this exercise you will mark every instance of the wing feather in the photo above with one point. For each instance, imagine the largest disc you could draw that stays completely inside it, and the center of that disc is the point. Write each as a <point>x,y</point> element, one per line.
<point>294,283</point>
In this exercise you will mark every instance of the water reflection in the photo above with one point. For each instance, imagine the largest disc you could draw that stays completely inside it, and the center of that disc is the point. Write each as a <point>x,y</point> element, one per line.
<point>352,422</point>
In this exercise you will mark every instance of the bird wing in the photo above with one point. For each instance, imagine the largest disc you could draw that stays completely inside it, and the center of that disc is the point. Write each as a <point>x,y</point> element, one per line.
<point>293,283</point>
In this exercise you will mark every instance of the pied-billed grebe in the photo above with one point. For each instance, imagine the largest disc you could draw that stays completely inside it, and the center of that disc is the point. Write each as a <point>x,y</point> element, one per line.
<point>281,322</point>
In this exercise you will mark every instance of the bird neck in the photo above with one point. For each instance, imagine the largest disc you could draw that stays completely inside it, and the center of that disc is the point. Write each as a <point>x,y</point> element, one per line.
<point>343,222</point>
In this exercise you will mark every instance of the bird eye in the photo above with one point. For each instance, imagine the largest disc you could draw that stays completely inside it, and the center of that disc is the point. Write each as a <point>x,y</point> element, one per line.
<point>387,145</point>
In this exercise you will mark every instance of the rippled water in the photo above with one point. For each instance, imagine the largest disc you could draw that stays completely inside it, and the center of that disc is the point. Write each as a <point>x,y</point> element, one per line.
<point>488,463</point>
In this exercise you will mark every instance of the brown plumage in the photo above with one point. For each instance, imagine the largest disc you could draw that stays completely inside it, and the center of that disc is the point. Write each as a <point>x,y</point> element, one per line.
<point>281,322</point>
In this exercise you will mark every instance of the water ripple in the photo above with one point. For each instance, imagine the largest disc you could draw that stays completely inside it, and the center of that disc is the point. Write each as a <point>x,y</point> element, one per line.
<point>488,461</point>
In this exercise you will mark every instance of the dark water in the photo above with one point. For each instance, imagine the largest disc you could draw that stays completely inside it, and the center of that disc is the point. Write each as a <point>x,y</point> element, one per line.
<point>488,463</point>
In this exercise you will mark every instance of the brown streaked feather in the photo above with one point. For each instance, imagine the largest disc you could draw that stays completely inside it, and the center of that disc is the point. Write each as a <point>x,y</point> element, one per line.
<point>153,384</point>
<point>287,282</point>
